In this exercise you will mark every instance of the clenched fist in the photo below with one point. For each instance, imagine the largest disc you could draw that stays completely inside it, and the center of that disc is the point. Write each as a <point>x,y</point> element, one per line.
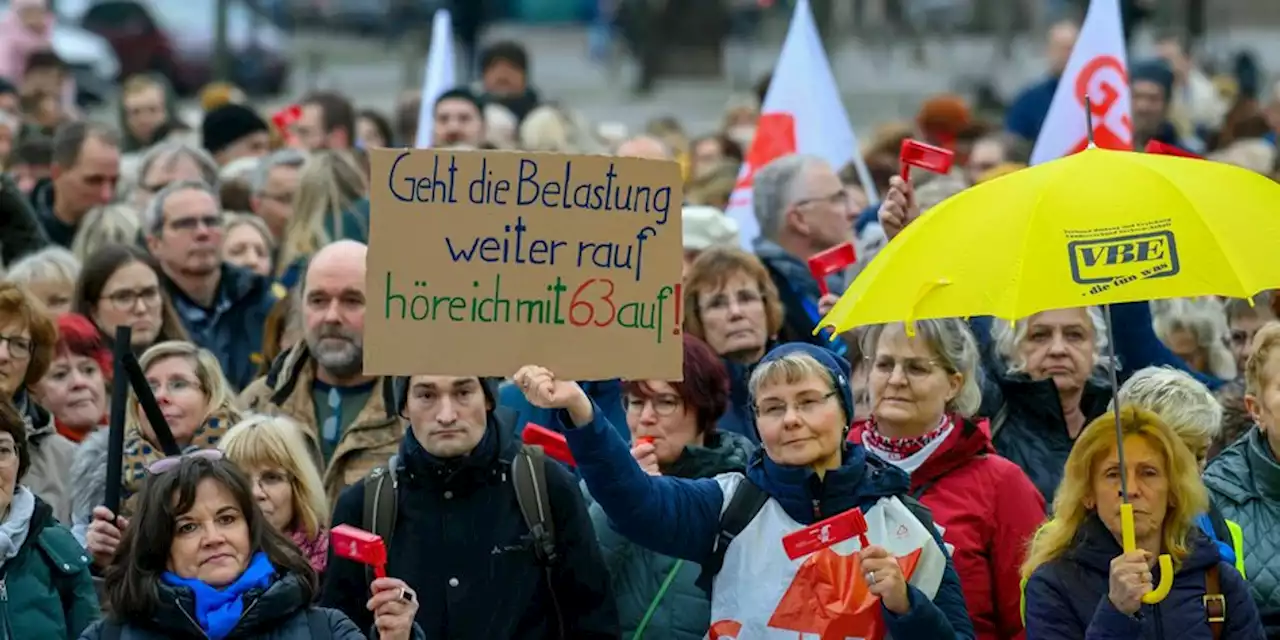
<point>541,388</point>
<point>898,208</point>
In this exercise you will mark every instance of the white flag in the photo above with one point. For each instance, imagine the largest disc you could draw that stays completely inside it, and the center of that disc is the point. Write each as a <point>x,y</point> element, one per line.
<point>1098,69</point>
<point>438,77</point>
<point>802,113</point>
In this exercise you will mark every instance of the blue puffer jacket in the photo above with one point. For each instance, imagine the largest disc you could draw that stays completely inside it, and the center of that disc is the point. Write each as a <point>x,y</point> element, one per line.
<point>684,610</point>
<point>1067,598</point>
<point>681,517</point>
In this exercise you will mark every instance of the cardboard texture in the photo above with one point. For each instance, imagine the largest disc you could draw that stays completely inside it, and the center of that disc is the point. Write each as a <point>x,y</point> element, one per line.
<point>483,261</point>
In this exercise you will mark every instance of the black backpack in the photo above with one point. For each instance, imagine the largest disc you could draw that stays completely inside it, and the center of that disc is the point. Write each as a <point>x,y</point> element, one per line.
<point>528,477</point>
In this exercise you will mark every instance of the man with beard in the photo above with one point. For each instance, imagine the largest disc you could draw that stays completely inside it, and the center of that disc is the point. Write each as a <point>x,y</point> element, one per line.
<point>458,120</point>
<point>222,307</point>
<point>350,418</point>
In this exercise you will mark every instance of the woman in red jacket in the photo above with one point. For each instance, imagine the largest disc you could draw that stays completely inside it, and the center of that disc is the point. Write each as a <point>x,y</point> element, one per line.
<point>923,392</point>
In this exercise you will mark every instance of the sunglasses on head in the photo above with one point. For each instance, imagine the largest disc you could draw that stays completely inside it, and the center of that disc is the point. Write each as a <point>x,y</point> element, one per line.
<point>168,464</point>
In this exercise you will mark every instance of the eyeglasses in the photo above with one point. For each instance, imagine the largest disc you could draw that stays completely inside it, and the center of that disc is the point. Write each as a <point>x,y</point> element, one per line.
<point>125,299</point>
<point>174,385</point>
<point>171,462</point>
<point>808,407</point>
<point>280,198</point>
<point>8,455</point>
<point>912,367</point>
<point>663,405</point>
<point>271,479</point>
<point>19,347</point>
<point>212,221</point>
<point>723,301</point>
<point>839,199</point>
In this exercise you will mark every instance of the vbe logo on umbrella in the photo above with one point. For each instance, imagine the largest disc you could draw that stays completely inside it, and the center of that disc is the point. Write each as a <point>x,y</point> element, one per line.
<point>1109,262</point>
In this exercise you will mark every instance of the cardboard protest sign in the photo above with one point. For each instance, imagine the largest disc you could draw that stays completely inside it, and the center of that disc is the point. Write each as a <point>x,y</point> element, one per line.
<point>483,261</point>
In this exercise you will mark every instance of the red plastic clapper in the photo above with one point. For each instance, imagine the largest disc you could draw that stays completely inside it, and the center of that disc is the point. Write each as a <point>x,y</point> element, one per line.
<point>926,156</point>
<point>1160,148</point>
<point>552,443</point>
<point>833,260</point>
<point>826,533</point>
<point>360,546</point>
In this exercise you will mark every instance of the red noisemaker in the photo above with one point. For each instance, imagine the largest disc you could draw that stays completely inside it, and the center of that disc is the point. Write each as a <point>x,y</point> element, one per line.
<point>833,260</point>
<point>1160,148</point>
<point>826,533</point>
<point>360,546</point>
<point>926,156</point>
<point>552,443</point>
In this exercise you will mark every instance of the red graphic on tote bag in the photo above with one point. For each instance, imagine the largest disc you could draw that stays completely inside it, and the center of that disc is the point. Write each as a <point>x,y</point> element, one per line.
<point>829,597</point>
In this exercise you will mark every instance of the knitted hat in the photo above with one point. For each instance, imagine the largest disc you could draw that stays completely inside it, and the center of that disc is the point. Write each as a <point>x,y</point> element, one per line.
<point>835,365</point>
<point>706,227</point>
<point>1156,71</point>
<point>400,388</point>
<point>227,124</point>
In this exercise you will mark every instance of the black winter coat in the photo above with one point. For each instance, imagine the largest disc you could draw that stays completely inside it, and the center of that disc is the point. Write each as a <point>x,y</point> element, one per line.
<point>278,613</point>
<point>461,543</point>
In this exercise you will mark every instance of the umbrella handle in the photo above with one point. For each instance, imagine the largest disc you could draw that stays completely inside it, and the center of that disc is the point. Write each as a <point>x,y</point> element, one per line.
<point>1161,590</point>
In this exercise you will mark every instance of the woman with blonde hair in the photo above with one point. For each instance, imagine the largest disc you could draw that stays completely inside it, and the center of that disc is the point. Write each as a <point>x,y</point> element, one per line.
<point>111,224</point>
<point>273,452</point>
<point>332,204</point>
<point>1080,581</point>
<point>199,406</point>
<point>247,242</point>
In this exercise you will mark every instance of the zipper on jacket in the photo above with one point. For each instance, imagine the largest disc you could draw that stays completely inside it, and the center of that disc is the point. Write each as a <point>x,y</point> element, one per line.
<point>1155,609</point>
<point>6,631</point>
<point>178,603</point>
<point>817,509</point>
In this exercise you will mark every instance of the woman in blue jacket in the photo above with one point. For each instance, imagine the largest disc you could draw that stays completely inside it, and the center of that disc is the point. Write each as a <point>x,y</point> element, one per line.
<point>1081,583</point>
<point>903,583</point>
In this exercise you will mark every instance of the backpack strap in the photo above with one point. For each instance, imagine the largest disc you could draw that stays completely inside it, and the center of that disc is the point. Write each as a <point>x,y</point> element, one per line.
<point>529,475</point>
<point>318,623</point>
<point>380,504</point>
<point>529,478</point>
<point>746,502</point>
<point>997,423</point>
<point>1215,604</point>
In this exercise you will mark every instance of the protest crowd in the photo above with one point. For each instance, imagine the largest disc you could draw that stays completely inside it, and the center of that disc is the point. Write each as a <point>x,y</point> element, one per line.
<point>978,455</point>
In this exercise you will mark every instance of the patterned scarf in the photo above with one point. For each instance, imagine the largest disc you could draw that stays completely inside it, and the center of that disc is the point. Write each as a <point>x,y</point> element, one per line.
<point>894,449</point>
<point>140,453</point>
<point>315,550</point>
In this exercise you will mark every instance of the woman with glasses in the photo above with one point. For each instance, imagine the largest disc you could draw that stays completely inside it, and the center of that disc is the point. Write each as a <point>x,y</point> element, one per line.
<point>28,339</point>
<point>201,561</point>
<point>199,406</point>
<point>45,587</point>
<point>673,433</point>
<point>923,394</point>
<point>902,582</point>
<point>273,452</point>
<point>120,285</point>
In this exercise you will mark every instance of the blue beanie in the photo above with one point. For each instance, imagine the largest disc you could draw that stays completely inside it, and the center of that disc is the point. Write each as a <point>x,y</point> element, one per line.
<point>1154,71</point>
<point>835,365</point>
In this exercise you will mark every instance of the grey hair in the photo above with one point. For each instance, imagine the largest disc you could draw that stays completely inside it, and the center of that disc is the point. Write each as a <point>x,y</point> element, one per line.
<point>774,190</point>
<point>111,224</point>
<point>954,349</point>
<point>51,263</point>
<point>1181,401</point>
<point>1205,320</point>
<point>169,152</point>
<point>291,158</point>
<point>1007,336</point>
<point>153,215</point>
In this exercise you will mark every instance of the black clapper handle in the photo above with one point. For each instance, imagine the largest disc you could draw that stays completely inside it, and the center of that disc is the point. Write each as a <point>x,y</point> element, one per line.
<point>115,436</point>
<point>151,408</point>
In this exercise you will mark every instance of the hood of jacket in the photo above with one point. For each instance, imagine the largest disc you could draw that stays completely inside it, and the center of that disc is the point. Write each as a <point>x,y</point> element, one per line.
<point>1095,547</point>
<point>264,609</point>
<point>808,497</point>
<point>1246,470</point>
<point>89,468</point>
<point>722,452</point>
<point>968,439</point>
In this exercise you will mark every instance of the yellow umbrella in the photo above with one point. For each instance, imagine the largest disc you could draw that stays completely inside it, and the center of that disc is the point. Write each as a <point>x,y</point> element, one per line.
<point>1095,228</point>
<point>1098,227</point>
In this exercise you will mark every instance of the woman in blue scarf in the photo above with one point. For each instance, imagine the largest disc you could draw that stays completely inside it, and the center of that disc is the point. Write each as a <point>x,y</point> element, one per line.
<point>199,560</point>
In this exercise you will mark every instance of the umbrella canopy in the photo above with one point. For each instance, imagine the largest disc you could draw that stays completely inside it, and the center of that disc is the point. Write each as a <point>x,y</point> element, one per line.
<point>1098,227</point>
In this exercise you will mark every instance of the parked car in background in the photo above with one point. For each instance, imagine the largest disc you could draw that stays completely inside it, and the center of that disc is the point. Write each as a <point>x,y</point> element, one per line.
<point>176,39</point>
<point>92,60</point>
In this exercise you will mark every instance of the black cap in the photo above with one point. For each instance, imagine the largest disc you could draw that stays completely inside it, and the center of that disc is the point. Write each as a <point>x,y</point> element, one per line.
<point>223,126</point>
<point>400,387</point>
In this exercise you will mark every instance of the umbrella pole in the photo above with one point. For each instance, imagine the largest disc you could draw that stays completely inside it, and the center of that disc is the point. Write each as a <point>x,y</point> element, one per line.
<point>1115,399</point>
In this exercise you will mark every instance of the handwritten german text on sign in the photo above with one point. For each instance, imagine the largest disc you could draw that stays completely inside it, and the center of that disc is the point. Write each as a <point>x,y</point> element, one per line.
<point>483,261</point>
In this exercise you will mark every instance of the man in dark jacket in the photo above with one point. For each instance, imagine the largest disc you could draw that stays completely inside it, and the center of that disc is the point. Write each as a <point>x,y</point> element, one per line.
<point>460,539</point>
<point>86,167</point>
<point>20,233</point>
<point>222,307</point>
